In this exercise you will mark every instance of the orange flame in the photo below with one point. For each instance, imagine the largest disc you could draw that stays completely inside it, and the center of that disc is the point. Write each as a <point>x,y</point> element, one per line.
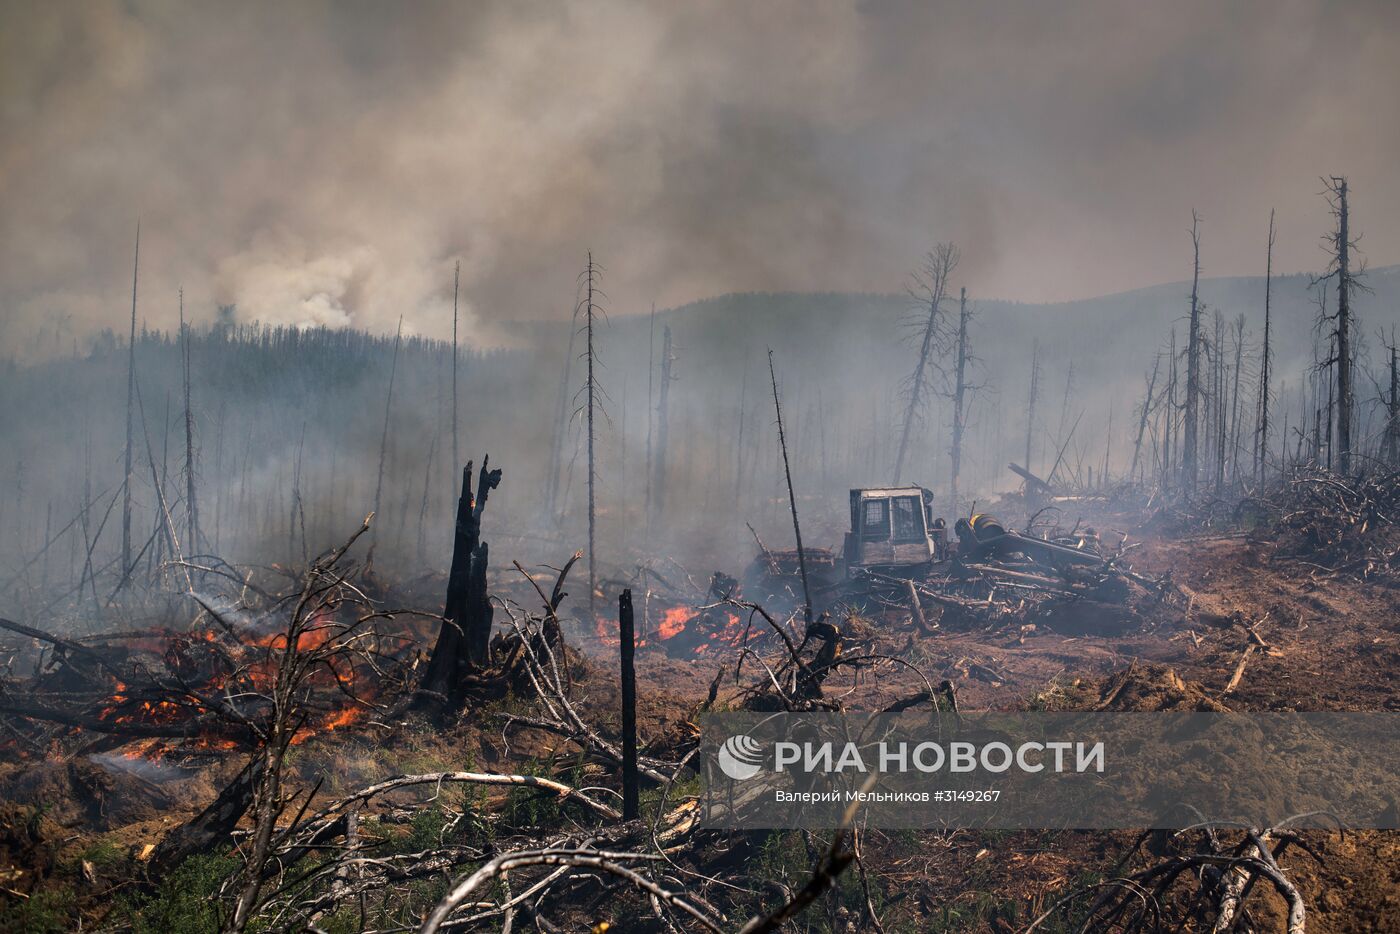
<point>674,620</point>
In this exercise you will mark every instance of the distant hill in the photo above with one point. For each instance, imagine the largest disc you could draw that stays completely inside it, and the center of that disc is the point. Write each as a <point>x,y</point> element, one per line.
<point>286,417</point>
<point>853,350</point>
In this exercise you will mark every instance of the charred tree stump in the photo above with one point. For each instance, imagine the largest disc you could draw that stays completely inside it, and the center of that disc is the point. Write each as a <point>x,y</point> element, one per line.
<point>463,643</point>
<point>630,780</point>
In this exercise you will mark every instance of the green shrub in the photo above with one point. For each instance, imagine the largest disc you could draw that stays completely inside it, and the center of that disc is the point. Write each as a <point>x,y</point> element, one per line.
<point>186,901</point>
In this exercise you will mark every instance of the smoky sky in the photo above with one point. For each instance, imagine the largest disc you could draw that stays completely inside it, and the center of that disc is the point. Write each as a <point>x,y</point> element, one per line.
<point>330,162</point>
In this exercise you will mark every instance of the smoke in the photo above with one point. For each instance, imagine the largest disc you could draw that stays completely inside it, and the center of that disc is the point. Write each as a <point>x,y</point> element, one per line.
<point>329,163</point>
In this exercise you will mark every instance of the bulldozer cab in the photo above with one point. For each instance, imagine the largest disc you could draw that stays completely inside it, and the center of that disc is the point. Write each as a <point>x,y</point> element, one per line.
<point>894,527</point>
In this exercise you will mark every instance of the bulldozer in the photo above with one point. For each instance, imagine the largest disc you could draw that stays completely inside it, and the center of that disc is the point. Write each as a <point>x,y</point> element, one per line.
<point>894,528</point>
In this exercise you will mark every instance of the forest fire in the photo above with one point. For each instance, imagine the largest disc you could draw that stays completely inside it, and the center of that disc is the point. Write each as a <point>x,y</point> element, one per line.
<point>673,622</point>
<point>681,631</point>
<point>204,690</point>
<point>897,391</point>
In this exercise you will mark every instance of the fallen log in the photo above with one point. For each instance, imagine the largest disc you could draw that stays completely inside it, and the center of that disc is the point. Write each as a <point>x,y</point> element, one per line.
<point>198,726</point>
<point>1032,481</point>
<point>211,827</point>
<point>67,646</point>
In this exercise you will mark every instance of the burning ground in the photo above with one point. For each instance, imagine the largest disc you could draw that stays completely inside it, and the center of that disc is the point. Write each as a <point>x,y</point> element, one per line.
<point>273,739</point>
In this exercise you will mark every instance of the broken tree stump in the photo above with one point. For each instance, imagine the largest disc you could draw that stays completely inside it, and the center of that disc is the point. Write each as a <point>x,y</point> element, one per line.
<point>463,644</point>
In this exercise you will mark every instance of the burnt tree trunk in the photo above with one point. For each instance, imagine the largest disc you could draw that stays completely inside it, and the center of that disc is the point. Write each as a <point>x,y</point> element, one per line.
<point>592,388</point>
<point>384,438</point>
<point>130,414</point>
<point>1191,437</point>
<point>211,828</point>
<point>959,411</point>
<point>1218,380</point>
<point>792,497</point>
<point>1392,424</point>
<point>1169,415</point>
<point>1261,445</point>
<point>1345,405</point>
<point>456,285</point>
<point>1142,420</point>
<point>658,483</point>
<point>1030,404</point>
<point>1235,404</point>
<point>631,787</point>
<point>937,268</point>
<point>464,639</point>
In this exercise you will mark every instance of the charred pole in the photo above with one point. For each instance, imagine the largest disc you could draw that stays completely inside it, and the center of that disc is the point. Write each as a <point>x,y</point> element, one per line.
<point>456,283</point>
<point>1146,411</point>
<point>1218,402</point>
<point>1030,406</point>
<point>384,437</point>
<point>1261,443</point>
<point>658,485</point>
<point>1235,403</point>
<point>792,497</point>
<point>739,443</point>
<point>932,282</point>
<point>1345,396</point>
<point>631,784</point>
<point>561,423</point>
<point>1392,407</point>
<point>1193,365</point>
<point>651,373</point>
<point>130,406</point>
<point>1169,416</point>
<point>959,393</point>
<point>591,277</point>
<point>191,501</point>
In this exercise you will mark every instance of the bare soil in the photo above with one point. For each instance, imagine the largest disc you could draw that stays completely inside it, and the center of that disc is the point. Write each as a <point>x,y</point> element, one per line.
<point>1329,643</point>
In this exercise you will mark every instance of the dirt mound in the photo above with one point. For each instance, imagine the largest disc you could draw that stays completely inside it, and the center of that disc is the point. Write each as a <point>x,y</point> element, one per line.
<point>1150,688</point>
<point>94,795</point>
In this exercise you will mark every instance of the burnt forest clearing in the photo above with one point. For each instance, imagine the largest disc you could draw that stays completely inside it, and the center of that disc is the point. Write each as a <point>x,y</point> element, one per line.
<point>512,465</point>
<point>313,629</point>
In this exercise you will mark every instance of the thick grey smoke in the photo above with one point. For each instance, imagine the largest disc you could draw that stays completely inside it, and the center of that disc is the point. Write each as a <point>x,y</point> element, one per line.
<point>329,162</point>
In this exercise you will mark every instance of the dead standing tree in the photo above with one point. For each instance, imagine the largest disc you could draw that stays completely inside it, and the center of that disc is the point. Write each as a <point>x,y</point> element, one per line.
<point>1235,403</point>
<point>651,420</point>
<point>1144,414</point>
<point>1392,407</point>
<point>191,500</point>
<point>658,483</point>
<point>1169,417</point>
<point>930,284</point>
<point>961,389</point>
<point>591,406</point>
<point>1217,401</point>
<point>561,425</point>
<point>384,438</point>
<point>1193,366</point>
<point>1341,244</point>
<point>456,451</point>
<point>130,414</point>
<point>1030,404</point>
<point>792,497</point>
<point>1261,441</point>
